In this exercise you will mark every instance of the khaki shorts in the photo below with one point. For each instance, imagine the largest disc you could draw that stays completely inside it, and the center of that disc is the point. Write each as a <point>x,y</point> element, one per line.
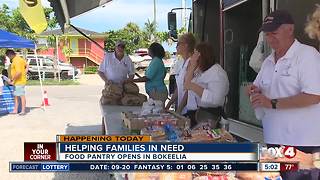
<point>19,91</point>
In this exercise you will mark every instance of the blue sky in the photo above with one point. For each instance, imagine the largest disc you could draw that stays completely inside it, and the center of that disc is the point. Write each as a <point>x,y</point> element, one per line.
<point>117,13</point>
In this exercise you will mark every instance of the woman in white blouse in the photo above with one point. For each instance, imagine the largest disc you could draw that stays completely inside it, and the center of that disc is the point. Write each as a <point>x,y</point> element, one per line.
<point>185,47</point>
<point>207,84</point>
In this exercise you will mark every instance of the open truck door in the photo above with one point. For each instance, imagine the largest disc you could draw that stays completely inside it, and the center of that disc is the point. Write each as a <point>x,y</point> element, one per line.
<point>172,23</point>
<point>232,27</point>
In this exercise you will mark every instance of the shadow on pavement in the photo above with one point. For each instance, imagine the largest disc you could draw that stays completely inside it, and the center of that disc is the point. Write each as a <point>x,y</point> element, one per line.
<point>83,130</point>
<point>29,109</point>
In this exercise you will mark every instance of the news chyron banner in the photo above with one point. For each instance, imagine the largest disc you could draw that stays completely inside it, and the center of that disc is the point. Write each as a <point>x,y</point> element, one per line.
<point>138,153</point>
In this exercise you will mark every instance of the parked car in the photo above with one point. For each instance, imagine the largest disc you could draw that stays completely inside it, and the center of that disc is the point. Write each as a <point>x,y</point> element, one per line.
<point>141,59</point>
<point>46,65</point>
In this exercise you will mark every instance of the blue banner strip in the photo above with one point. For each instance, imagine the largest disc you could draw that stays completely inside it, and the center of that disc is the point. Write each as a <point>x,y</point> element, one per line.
<point>50,166</point>
<point>158,147</point>
<point>67,167</point>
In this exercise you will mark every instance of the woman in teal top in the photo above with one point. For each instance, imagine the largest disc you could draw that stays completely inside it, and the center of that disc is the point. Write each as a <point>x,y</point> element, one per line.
<point>155,74</point>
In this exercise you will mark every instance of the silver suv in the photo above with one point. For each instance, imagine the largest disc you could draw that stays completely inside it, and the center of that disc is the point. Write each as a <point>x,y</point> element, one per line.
<point>46,66</point>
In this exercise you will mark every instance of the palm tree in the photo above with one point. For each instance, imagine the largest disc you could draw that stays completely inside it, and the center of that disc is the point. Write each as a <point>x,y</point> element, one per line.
<point>150,30</point>
<point>132,27</point>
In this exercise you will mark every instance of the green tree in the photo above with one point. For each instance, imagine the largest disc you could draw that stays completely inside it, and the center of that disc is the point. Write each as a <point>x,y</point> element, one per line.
<point>162,36</point>
<point>20,26</point>
<point>135,37</point>
<point>67,51</point>
<point>5,17</point>
<point>132,27</point>
<point>51,19</point>
<point>182,31</point>
<point>150,29</point>
<point>12,21</point>
<point>130,34</point>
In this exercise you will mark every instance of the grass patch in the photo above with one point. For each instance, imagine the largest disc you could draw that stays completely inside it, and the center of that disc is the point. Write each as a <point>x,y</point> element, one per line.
<point>49,82</point>
<point>91,70</point>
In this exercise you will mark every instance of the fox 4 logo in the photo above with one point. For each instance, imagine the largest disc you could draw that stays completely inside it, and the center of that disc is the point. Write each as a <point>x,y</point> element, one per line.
<point>278,152</point>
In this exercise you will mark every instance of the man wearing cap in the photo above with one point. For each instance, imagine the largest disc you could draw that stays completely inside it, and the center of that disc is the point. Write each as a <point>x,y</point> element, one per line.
<point>116,67</point>
<point>287,88</point>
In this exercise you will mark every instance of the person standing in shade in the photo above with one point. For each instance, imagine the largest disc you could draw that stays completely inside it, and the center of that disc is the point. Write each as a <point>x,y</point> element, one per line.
<point>207,85</point>
<point>185,48</point>
<point>155,74</point>
<point>19,78</point>
<point>287,90</point>
<point>116,67</point>
<point>176,65</point>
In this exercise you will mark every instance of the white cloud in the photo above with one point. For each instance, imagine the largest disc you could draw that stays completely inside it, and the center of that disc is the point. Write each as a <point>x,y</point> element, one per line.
<point>45,3</point>
<point>119,12</point>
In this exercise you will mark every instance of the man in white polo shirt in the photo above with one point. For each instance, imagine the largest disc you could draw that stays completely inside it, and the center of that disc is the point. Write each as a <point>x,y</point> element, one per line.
<point>287,88</point>
<point>116,67</point>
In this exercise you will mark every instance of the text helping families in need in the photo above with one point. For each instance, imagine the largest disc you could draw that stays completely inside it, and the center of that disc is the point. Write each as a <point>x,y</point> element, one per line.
<point>123,147</point>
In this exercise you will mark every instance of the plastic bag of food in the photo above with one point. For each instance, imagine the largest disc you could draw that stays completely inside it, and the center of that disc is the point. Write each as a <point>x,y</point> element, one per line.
<point>113,89</point>
<point>151,107</point>
<point>131,88</point>
<point>109,101</point>
<point>143,98</point>
<point>131,100</point>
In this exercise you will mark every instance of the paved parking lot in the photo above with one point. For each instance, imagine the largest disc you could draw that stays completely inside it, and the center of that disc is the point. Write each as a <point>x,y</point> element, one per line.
<point>72,108</point>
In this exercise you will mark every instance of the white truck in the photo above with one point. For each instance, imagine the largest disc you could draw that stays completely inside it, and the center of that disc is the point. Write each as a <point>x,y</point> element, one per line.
<point>232,27</point>
<point>47,68</point>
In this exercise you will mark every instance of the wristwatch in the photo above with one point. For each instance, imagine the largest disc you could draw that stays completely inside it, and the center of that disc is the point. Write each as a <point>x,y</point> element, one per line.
<point>274,103</point>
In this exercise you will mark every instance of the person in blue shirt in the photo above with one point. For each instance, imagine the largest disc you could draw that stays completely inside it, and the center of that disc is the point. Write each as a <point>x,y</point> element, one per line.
<point>155,74</point>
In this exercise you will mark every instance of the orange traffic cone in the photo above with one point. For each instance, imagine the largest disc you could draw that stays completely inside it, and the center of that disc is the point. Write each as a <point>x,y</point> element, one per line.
<point>45,101</point>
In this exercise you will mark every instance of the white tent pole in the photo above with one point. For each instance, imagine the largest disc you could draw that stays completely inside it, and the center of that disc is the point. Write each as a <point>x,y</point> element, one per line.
<point>42,100</point>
